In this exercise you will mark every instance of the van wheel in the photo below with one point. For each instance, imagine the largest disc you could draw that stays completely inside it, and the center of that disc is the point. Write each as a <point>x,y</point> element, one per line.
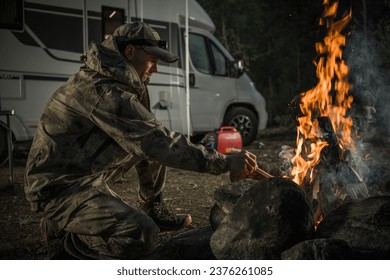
<point>245,121</point>
<point>3,145</point>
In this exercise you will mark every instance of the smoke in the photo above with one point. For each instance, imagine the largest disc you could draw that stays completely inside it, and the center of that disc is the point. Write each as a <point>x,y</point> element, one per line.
<point>370,111</point>
<point>370,87</point>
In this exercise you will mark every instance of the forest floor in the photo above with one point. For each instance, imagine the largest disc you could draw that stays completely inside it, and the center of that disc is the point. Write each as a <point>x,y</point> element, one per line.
<point>186,192</point>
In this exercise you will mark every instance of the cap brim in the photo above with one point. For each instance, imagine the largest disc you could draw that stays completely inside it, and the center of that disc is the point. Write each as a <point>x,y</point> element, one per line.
<point>161,54</point>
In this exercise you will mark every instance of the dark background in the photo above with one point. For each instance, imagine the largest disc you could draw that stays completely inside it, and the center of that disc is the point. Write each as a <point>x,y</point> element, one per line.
<point>276,39</point>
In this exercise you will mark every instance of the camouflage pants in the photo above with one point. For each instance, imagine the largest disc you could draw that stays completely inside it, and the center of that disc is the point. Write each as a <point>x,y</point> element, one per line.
<point>151,179</point>
<point>96,224</point>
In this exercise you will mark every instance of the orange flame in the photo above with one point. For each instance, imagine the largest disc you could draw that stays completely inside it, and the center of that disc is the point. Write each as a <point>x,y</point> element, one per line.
<point>329,98</point>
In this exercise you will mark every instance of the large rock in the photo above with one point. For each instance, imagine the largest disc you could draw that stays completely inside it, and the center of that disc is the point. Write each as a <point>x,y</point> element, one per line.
<point>225,198</point>
<point>363,224</point>
<point>269,217</point>
<point>319,249</point>
<point>193,244</point>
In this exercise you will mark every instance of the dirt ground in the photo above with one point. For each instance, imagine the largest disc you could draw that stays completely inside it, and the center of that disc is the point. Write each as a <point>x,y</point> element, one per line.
<point>186,192</point>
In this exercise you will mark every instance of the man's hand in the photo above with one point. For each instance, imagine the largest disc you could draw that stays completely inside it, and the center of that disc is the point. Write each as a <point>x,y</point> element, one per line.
<point>241,165</point>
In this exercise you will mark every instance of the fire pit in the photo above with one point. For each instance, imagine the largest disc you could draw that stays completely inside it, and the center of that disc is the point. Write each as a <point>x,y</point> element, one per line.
<point>273,219</point>
<point>326,203</point>
<point>335,214</point>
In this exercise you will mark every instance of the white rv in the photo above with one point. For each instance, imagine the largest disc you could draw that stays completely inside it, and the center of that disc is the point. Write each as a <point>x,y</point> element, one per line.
<point>41,42</point>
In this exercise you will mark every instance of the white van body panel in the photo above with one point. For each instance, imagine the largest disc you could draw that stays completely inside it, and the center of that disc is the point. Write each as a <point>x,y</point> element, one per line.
<point>32,66</point>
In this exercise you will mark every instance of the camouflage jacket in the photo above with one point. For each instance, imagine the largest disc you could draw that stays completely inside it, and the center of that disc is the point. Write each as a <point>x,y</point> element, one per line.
<point>94,127</point>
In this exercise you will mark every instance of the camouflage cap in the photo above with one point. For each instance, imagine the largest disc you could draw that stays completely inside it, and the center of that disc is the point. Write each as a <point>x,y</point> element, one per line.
<point>141,34</point>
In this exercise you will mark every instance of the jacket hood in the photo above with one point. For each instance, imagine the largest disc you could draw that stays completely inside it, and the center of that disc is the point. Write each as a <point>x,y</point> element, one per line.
<point>106,59</point>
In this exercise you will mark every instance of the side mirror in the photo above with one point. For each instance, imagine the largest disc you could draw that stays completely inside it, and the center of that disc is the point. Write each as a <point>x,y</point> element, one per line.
<point>240,67</point>
<point>236,68</point>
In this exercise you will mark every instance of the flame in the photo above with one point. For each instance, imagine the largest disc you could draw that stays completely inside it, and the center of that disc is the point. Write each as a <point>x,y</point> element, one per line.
<point>329,98</point>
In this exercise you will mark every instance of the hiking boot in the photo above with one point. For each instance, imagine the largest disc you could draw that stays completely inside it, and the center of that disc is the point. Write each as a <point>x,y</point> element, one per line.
<point>163,217</point>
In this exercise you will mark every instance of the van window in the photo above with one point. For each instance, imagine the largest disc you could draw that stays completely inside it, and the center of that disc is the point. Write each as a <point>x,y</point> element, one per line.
<point>219,61</point>
<point>112,19</point>
<point>199,53</point>
<point>57,28</point>
<point>206,56</point>
<point>11,14</point>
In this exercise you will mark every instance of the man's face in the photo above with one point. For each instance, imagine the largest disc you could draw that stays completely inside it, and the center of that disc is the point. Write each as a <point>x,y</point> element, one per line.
<point>144,63</point>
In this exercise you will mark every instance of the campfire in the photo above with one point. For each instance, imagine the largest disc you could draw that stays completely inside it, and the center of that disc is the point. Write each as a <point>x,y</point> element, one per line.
<point>323,164</point>
<point>329,100</point>
<point>322,206</point>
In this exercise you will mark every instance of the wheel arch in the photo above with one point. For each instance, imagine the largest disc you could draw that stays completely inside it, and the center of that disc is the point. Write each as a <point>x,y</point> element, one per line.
<point>241,104</point>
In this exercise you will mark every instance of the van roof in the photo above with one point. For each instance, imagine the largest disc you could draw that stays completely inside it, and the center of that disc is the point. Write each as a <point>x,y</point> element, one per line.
<point>175,11</point>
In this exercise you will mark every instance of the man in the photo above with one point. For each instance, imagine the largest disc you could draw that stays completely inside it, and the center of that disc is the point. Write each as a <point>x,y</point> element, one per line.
<point>96,127</point>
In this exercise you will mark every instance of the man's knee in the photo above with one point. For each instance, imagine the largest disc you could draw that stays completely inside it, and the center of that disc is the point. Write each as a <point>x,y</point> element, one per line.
<point>139,232</point>
<point>127,239</point>
<point>54,239</point>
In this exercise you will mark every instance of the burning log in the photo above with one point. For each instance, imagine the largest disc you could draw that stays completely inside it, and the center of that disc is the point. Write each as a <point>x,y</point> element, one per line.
<point>332,153</point>
<point>321,167</point>
<point>338,182</point>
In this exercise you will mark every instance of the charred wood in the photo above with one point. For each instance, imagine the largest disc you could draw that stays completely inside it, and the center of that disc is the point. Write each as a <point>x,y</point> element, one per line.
<point>338,182</point>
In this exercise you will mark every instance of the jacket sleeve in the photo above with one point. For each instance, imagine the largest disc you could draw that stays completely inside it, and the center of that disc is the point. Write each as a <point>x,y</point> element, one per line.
<point>135,129</point>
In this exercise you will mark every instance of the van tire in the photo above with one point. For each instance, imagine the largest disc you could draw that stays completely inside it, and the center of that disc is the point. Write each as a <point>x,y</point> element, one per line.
<point>245,121</point>
<point>3,144</point>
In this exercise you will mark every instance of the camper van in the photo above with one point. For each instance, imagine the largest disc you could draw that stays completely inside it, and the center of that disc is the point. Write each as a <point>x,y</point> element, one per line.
<point>42,42</point>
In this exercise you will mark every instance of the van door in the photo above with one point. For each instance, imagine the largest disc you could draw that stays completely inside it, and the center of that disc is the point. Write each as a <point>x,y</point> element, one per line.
<point>212,88</point>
